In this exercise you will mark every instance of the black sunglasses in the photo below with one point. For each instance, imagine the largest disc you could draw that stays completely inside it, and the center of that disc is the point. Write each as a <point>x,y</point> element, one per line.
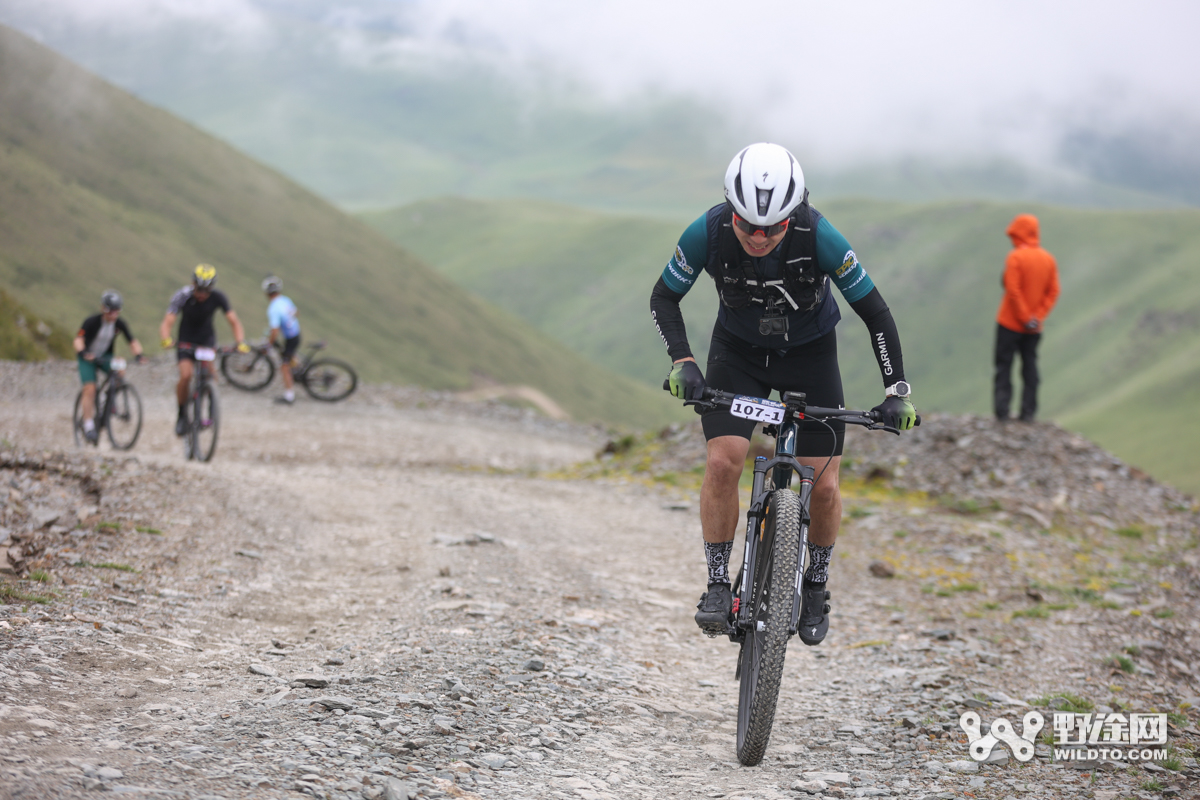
<point>765,230</point>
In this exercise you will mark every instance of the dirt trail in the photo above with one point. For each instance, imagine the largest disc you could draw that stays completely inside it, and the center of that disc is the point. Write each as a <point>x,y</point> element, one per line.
<point>388,598</point>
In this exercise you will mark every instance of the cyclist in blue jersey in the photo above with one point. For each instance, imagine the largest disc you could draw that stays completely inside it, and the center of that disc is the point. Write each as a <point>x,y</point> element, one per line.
<point>281,316</point>
<point>773,257</point>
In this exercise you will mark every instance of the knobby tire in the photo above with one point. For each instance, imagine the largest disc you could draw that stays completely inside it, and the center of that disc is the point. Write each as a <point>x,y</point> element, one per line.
<point>124,421</point>
<point>205,424</point>
<point>772,592</point>
<point>329,379</point>
<point>77,420</point>
<point>248,371</point>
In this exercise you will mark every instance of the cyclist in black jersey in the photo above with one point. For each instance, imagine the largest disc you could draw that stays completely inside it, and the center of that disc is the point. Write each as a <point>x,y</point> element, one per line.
<point>773,257</point>
<point>94,351</point>
<point>195,306</point>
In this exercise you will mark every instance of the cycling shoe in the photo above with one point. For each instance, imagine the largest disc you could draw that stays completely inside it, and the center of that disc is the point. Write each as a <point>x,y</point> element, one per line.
<point>814,614</point>
<point>715,608</point>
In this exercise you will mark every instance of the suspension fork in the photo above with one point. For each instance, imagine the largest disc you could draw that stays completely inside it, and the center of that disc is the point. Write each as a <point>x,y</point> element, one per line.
<point>758,501</point>
<point>806,487</point>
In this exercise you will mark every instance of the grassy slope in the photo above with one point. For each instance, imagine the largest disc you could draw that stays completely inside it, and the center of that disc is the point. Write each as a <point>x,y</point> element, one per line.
<point>100,190</point>
<point>1129,317</point>
<point>25,337</point>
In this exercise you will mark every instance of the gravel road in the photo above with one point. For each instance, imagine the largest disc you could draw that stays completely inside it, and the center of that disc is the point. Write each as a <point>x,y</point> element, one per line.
<point>399,596</point>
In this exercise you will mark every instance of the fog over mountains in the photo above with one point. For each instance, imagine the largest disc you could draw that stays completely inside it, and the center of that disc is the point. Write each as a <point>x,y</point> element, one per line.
<point>374,103</point>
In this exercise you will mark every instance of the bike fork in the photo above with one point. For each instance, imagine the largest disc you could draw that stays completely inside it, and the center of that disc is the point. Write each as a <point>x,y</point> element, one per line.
<point>806,487</point>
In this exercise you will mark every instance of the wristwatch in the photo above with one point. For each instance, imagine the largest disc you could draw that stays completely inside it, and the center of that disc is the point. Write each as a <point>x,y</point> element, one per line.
<point>898,389</point>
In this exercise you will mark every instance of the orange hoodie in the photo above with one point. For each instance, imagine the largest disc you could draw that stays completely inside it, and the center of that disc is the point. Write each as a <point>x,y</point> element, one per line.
<point>1030,278</point>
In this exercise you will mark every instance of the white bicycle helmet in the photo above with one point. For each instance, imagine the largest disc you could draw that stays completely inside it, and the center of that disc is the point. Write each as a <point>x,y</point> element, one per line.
<point>764,184</point>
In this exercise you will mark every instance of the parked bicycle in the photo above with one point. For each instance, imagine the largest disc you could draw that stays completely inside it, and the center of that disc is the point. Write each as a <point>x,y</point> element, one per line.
<point>768,589</point>
<point>118,410</point>
<point>325,379</point>
<point>203,411</point>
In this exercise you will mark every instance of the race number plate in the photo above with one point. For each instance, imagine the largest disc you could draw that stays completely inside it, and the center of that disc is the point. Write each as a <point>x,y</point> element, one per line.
<point>118,364</point>
<point>206,354</point>
<point>757,409</point>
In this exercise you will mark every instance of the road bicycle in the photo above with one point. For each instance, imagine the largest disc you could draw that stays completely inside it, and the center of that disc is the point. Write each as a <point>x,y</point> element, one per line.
<point>769,586</point>
<point>202,409</point>
<point>325,379</point>
<point>118,410</point>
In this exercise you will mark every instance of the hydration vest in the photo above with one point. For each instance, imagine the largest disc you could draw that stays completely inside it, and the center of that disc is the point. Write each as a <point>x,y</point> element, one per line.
<point>801,285</point>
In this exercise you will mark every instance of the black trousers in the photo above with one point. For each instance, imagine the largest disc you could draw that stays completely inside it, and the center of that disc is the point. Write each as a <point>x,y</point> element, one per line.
<point>1008,344</point>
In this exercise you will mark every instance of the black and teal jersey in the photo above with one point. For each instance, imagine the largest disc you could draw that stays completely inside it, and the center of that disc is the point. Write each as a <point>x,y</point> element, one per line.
<point>835,258</point>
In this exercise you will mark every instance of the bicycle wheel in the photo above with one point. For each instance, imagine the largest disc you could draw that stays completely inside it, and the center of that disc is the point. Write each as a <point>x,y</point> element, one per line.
<point>77,420</point>
<point>124,416</point>
<point>250,371</point>
<point>763,650</point>
<point>205,423</point>
<point>329,379</point>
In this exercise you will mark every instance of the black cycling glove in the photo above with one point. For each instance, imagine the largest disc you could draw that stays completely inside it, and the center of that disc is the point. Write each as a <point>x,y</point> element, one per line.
<point>686,381</point>
<point>898,413</point>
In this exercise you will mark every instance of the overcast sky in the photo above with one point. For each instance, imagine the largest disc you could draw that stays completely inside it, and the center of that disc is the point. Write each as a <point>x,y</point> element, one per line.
<point>845,79</point>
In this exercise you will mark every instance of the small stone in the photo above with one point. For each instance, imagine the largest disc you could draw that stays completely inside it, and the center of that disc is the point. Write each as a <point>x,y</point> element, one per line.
<point>861,751</point>
<point>127,692</point>
<point>395,789</point>
<point>43,724</point>
<point>109,774</point>
<point>828,777</point>
<point>964,767</point>
<point>811,787</point>
<point>493,760</point>
<point>534,665</point>
<point>335,702</point>
<point>260,669</point>
<point>934,767</point>
<point>443,725</point>
<point>313,681</point>
<point>882,569</point>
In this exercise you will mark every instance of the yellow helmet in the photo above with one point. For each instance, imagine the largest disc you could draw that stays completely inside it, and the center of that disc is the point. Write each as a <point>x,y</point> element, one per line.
<point>204,276</point>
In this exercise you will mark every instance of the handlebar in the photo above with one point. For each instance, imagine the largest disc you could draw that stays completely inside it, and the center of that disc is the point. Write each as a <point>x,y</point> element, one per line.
<point>795,402</point>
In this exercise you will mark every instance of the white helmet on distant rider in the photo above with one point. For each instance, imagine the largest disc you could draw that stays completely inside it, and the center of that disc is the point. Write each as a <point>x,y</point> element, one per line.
<point>764,184</point>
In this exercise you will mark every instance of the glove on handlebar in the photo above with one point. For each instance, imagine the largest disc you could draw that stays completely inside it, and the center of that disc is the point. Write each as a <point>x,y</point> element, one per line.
<point>897,412</point>
<point>686,381</point>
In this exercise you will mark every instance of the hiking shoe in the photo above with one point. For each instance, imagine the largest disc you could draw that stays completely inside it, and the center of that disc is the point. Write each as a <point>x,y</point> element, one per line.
<point>284,401</point>
<point>92,435</point>
<point>181,426</point>
<point>814,614</point>
<point>716,606</point>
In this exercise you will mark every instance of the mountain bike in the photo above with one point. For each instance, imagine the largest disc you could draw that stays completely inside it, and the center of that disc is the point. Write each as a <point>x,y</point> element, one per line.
<point>768,589</point>
<point>325,379</point>
<point>118,410</point>
<point>203,412</point>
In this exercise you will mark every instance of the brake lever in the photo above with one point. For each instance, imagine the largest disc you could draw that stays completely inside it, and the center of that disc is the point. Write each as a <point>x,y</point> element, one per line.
<point>700,403</point>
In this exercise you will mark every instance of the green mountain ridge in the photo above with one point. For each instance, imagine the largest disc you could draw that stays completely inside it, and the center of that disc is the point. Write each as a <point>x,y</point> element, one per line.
<point>99,190</point>
<point>1119,358</point>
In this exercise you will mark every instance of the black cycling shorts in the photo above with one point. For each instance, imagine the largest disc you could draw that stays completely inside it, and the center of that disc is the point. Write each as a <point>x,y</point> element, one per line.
<point>290,346</point>
<point>734,365</point>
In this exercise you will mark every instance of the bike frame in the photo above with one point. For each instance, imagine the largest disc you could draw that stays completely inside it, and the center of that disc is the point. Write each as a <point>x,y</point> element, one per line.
<point>781,467</point>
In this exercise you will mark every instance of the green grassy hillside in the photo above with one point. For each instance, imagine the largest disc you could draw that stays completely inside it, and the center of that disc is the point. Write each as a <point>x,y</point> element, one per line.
<point>25,337</point>
<point>1120,355</point>
<point>99,190</point>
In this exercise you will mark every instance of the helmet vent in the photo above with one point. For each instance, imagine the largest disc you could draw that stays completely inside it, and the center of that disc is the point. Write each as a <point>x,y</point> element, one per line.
<point>764,201</point>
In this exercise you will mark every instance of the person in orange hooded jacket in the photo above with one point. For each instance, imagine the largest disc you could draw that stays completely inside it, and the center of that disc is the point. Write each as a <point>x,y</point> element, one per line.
<point>1030,284</point>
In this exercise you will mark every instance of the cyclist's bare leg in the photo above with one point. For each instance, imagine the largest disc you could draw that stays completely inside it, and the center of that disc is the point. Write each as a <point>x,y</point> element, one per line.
<point>719,510</point>
<point>88,409</point>
<point>186,368</point>
<point>285,369</point>
<point>826,504</point>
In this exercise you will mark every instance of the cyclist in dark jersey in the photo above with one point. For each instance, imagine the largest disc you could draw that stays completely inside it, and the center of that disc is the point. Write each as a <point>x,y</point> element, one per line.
<point>195,306</point>
<point>94,351</point>
<point>773,257</point>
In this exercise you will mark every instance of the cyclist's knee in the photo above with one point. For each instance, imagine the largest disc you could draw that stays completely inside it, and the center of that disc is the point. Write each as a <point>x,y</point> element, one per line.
<point>726,458</point>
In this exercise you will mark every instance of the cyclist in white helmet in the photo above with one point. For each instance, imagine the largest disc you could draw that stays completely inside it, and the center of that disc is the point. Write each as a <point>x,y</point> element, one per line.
<point>773,257</point>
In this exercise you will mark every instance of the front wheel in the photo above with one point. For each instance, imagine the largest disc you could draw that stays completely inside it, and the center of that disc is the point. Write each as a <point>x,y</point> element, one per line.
<point>329,379</point>
<point>205,423</point>
<point>124,416</point>
<point>77,420</point>
<point>771,596</point>
<point>250,371</point>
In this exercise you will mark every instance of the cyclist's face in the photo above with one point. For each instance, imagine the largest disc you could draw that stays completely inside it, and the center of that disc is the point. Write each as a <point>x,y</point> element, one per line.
<point>110,315</point>
<point>758,244</point>
<point>201,293</point>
